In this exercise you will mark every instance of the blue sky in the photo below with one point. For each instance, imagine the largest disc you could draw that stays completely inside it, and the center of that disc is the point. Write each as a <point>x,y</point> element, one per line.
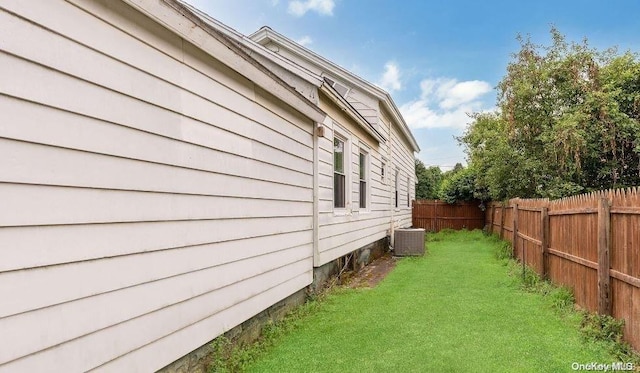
<point>438,59</point>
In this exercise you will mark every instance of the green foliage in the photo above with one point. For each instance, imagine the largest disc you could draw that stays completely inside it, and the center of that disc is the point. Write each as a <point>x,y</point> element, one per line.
<point>562,298</point>
<point>227,356</point>
<point>221,352</point>
<point>427,181</point>
<point>461,186</point>
<point>444,234</point>
<point>503,251</point>
<point>609,331</point>
<point>568,122</point>
<point>602,327</point>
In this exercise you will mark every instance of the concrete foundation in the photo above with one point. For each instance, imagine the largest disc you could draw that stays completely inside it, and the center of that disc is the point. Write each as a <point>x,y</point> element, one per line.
<point>354,261</point>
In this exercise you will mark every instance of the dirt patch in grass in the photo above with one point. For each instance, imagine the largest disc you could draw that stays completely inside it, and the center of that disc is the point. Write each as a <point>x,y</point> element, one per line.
<point>371,275</point>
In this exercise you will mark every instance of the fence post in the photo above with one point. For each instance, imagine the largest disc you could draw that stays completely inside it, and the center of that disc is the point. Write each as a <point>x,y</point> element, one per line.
<point>413,215</point>
<point>545,242</point>
<point>493,210</point>
<point>502,222</point>
<point>493,216</point>
<point>514,243</point>
<point>604,243</point>
<point>433,216</point>
<point>489,222</point>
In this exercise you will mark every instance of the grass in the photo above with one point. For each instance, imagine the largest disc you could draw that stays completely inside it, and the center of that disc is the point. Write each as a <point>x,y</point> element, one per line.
<point>456,309</point>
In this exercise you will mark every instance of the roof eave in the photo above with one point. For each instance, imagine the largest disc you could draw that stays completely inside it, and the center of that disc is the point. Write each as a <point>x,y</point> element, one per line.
<point>172,15</point>
<point>257,47</point>
<point>266,34</point>
<point>351,112</point>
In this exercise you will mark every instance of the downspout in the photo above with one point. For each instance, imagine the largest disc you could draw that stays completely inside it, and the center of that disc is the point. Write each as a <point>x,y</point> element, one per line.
<point>316,198</point>
<point>391,190</point>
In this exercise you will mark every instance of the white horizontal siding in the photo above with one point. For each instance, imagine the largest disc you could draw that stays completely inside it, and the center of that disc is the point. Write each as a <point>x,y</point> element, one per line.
<point>31,163</point>
<point>403,161</point>
<point>345,230</point>
<point>178,276</point>
<point>195,85</point>
<point>78,132</point>
<point>363,221</point>
<point>34,286</point>
<point>213,313</point>
<point>365,105</point>
<point>334,242</point>
<point>152,197</point>
<point>342,231</point>
<point>39,246</point>
<point>341,249</point>
<point>178,342</point>
<point>46,205</point>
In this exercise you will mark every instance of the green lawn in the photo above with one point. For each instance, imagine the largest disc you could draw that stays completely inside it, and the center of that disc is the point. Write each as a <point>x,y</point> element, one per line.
<point>454,310</point>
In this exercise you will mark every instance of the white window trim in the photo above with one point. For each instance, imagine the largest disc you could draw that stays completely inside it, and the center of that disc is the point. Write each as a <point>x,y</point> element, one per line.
<point>342,135</point>
<point>384,171</point>
<point>367,178</point>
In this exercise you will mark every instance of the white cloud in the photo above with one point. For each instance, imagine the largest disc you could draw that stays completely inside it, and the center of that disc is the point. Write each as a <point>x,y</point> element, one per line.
<point>391,78</point>
<point>445,103</point>
<point>305,40</point>
<point>275,2</point>
<point>299,8</point>
<point>462,93</point>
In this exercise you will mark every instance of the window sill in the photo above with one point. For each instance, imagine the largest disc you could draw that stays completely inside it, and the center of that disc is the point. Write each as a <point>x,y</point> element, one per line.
<point>340,212</point>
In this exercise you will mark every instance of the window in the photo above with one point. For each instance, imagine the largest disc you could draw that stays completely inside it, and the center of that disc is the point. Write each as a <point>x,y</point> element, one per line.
<point>363,180</point>
<point>408,192</point>
<point>397,204</point>
<point>339,181</point>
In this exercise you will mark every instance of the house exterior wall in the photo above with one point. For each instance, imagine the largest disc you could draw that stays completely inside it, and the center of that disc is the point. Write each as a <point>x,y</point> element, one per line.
<point>402,162</point>
<point>152,198</point>
<point>366,106</point>
<point>342,231</point>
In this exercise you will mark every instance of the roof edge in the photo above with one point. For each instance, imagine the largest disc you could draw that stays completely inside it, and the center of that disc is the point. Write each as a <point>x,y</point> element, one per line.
<point>258,48</point>
<point>266,34</point>
<point>351,111</point>
<point>172,14</point>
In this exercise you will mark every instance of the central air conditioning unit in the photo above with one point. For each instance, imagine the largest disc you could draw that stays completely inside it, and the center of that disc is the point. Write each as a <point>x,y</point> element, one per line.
<point>408,242</point>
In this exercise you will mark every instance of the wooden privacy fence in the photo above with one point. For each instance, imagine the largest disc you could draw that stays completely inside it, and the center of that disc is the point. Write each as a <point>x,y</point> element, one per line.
<point>590,243</point>
<point>435,215</point>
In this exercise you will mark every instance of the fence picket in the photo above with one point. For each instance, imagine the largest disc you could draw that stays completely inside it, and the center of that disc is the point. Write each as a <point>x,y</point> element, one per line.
<point>589,242</point>
<point>435,215</point>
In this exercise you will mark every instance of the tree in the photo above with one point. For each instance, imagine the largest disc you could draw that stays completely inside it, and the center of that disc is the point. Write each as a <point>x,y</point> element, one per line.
<point>461,186</point>
<point>568,121</point>
<point>427,181</point>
